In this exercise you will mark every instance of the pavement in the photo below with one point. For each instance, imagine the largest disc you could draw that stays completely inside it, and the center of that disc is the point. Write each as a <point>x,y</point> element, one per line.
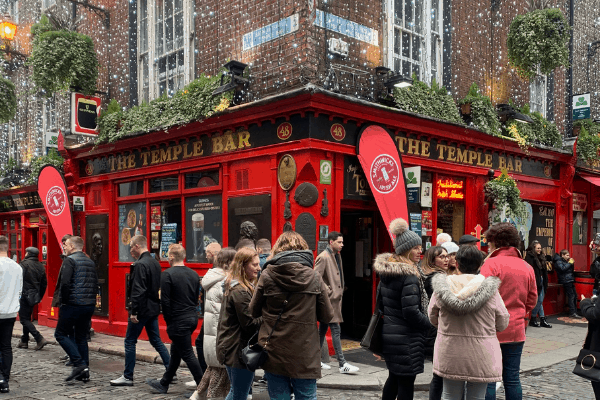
<point>544,347</point>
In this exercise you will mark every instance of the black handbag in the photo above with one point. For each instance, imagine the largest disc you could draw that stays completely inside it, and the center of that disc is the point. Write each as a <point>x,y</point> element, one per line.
<point>587,364</point>
<point>373,338</point>
<point>254,355</point>
<point>32,297</point>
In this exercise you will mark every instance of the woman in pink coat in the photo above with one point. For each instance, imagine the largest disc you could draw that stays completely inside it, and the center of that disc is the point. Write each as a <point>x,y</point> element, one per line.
<point>467,310</point>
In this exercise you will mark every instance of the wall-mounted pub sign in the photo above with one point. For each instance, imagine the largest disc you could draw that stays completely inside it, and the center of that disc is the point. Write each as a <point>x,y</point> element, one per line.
<point>84,112</point>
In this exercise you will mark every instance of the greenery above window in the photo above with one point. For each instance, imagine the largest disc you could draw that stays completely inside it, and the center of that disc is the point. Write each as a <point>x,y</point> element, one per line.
<point>194,102</point>
<point>505,196</point>
<point>8,100</point>
<point>432,101</point>
<point>540,131</point>
<point>62,60</point>
<point>588,141</point>
<point>538,39</point>
<point>53,158</point>
<point>483,114</point>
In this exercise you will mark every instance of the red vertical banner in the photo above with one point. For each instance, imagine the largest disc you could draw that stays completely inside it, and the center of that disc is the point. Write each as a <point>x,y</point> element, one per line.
<point>53,193</point>
<point>382,164</point>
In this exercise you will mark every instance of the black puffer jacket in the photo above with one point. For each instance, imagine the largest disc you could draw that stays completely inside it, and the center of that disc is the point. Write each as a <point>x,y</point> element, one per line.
<point>405,323</point>
<point>144,286</point>
<point>590,309</point>
<point>79,280</point>
<point>564,269</point>
<point>34,277</point>
<point>540,270</point>
<point>595,272</point>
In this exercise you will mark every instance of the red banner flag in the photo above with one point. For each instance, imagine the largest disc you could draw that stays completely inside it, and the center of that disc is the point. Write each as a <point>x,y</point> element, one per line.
<point>382,164</point>
<point>53,193</point>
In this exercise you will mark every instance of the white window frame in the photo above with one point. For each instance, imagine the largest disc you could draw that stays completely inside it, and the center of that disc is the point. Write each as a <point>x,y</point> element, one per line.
<point>150,51</point>
<point>538,89</point>
<point>47,4</point>
<point>428,37</point>
<point>13,10</point>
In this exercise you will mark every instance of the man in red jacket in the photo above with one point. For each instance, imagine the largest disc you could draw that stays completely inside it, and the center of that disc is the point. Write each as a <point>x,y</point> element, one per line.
<point>519,292</point>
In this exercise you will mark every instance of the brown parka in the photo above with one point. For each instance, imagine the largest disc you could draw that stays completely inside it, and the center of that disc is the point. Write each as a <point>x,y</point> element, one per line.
<point>294,349</point>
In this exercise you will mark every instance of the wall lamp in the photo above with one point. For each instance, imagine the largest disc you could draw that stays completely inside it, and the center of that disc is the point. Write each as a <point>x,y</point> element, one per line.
<point>238,82</point>
<point>506,112</point>
<point>8,31</point>
<point>392,79</point>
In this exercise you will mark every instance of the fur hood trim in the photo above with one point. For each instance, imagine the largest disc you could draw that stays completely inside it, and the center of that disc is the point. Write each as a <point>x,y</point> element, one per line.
<point>473,303</point>
<point>388,264</point>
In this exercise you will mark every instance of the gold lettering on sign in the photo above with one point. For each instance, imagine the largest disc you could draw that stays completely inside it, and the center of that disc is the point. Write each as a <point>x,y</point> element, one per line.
<point>198,148</point>
<point>186,153</point>
<point>451,154</point>
<point>229,143</point>
<point>401,141</point>
<point>121,163</point>
<point>155,154</point>
<point>145,155</point>
<point>413,146</point>
<point>177,151</point>
<point>165,155</point>
<point>461,156</point>
<point>488,160</point>
<point>441,148</point>
<point>425,149</point>
<point>131,161</point>
<point>243,139</point>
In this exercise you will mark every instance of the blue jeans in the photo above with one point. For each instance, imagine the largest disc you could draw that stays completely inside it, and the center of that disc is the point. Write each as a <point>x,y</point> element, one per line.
<point>455,390</point>
<point>511,364</point>
<point>131,337</point>
<point>539,307</point>
<point>71,332</point>
<point>281,387</point>
<point>241,382</point>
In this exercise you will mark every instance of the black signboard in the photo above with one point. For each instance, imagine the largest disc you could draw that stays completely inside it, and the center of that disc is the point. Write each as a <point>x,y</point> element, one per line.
<point>21,201</point>
<point>86,114</point>
<point>356,186</point>
<point>249,216</point>
<point>203,225</point>
<point>542,227</point>
<point>306,225</point>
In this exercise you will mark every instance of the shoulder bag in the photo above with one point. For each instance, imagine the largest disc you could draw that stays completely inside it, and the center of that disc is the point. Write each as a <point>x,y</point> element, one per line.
<point>373,337</point>
<point>254,355</point>
<point>587,364</point>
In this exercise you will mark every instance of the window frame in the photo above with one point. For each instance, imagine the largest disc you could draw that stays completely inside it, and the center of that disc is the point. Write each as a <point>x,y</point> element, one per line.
<point>46,4</point>
<point>206,190</point>
<point>542,94</point>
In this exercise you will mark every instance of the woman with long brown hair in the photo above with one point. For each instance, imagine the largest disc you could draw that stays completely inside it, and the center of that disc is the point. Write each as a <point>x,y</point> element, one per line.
<point>536,258</point>
<point>236,325</point>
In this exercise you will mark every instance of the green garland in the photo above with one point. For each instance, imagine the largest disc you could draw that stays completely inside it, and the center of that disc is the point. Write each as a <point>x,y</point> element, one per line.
<point>53,158</point>
<point>194,102</point>
<point>483,113</point>
<point>538,38</point>
<point>504,192</point>
<point>62,60</point>
<point>432,101</point>
<point>8,100</point>
<point>588,141</point>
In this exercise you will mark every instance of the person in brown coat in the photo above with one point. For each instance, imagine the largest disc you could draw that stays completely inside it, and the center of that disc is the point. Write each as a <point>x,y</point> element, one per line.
<point>289,281</point>
<point>329,265</point>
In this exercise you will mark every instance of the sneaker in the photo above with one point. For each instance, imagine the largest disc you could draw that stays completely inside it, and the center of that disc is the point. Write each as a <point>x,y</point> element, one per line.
<point>191,384</point>
<point>3,386</point>
<point>64,358</point>
<point>85,377</point>
<point>325,366</point>
<point>195,396</point>
<point>576,316</point>
<point>348,369</point>
<point>40,345</point>
<point>264,381</point>
<point>22,345</point>
<point>77,372</point>
<point>121,381</point>
<point>156,385</point>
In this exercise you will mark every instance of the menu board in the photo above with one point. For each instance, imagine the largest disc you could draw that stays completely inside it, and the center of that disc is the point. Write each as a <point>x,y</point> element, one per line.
<point>169,236</point>
<point>204,224</point>
<point>542,227</point>
<point>132,221</point>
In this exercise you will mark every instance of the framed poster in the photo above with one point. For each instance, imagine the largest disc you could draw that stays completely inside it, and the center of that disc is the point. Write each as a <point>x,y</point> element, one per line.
<point>323,232</point>
<point>169,236</point>
<point>132,221</point>
<point>203,216</point>
<point>155,218</point>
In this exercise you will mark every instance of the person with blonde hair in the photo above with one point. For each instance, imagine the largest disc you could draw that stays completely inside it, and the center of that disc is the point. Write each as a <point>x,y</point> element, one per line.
<point>289,286</point>
<point>236,324</point>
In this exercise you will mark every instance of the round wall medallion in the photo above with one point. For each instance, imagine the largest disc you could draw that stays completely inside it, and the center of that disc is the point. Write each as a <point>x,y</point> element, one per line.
<point>286,172</point>
<point>284,131</point>
<point>338,132</point>
<point>306,194</point>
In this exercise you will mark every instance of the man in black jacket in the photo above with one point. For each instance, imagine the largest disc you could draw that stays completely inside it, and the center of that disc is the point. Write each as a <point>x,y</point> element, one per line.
<point>564,267</point>
<point>144,284</point>
<point>34,287</point>
<point>78,289</point>
<point>179,286</point>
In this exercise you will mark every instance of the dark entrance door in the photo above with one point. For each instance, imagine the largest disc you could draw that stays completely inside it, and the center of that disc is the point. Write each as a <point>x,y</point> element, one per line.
<point>96,246</point>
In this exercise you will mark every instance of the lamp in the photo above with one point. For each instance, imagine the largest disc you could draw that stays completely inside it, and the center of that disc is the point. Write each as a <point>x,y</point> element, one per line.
<point>8,29</point>
<point>235,71</point>
<point>506,111</point>
<point>398,81</point>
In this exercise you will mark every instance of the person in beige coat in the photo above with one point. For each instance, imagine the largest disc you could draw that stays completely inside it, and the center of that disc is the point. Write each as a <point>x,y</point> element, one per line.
<point>329,265</point>
<point>468,311</point>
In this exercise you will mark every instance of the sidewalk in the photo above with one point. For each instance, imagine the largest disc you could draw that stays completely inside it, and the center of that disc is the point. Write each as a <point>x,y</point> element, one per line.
<point>543,347</point>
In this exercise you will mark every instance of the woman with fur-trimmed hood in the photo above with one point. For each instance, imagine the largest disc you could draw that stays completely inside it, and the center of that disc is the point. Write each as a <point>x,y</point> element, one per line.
<point>404,305</point>
<point>468,311</point>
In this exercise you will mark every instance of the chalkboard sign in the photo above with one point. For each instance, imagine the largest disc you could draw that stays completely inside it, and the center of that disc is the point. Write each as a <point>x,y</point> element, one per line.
<point>542,227</point>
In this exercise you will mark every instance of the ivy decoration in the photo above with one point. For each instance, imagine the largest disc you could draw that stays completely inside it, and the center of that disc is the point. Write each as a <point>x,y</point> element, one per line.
<point>483,114</point>
<point>52,158</point>
<point>540,131</point>
<point>505,195</point>
<point>588,141</point>
<point>431,101</point>
<point>538,39</point>
<point>8,100</point>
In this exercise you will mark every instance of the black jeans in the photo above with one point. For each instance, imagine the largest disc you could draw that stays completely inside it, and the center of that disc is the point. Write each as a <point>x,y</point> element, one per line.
<point>200,348</point>
<point>399,387</point>
<point>25,319</point>
<point>571,296</point>
<point>596,387</point>
<point>6,356</point>
<point>436,387</point>
<point>180,333</point>
<point>74,322</point>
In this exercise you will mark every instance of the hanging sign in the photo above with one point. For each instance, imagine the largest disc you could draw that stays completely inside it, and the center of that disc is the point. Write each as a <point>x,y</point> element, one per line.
<point>53,193</point>
<point>384,172</point>
<point>581,106</point>
<point>326,169</point>
<point>579,202</point>
<point>84,113</point>
<point>51,139</point>
<point>78,203</point>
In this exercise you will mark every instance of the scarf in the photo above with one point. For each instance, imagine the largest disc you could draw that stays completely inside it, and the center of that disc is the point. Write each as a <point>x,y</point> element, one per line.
<point>304,257</point>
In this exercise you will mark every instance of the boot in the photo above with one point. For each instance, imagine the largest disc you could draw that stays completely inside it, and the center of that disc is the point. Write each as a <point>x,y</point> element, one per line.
<point>544,323</point>
<point>40,345</point>
<point>22,345</point>
<point>533,322</point>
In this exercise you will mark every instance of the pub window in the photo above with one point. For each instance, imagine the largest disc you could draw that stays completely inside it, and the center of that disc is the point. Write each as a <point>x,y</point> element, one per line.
<point>14,240</point>
<point>201,179</point>
<point>450,193</point>
<point>203,221</point>
<point>132,221</point>
<point>48,3</point>
<point>131,188</point>
<point>163,184</point>
<point>537,94</point>
<point>165,226</point>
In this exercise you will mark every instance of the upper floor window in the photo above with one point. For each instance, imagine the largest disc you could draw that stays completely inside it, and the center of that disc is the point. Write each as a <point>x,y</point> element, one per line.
<point>48,3</point>
<point>165,60</point>
<point>415,38</point>
<point>537,94</point>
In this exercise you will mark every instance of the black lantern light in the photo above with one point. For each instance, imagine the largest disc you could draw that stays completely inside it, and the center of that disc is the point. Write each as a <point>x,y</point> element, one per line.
<point>238,82</point>
<point>506,112</point>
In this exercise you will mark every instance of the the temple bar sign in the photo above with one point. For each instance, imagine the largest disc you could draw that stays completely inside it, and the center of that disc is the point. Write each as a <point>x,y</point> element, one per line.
<point>84,112</point>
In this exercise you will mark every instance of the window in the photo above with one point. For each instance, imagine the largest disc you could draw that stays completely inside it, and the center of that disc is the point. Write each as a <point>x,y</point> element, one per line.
<point>132,222</point>
<point>164,184</point>
<point>537,94</point>
<point>131,188</point>
<point>415,38</point>
<point>48,4</point>
<point>164,53</point>
<point>201,179</point>
<point>49,118</point>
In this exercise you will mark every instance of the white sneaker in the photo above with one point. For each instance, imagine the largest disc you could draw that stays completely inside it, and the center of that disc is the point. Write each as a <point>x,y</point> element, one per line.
<point>191,384</point>
<point>195,396</point>
<point>348,369</point>
<point>325,366</point>
<point>122,381</point>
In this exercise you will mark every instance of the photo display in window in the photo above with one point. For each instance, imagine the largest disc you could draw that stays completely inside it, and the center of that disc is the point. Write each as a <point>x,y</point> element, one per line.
<point>132,221</point>
<point>165,224</point>
<point>203,215</point>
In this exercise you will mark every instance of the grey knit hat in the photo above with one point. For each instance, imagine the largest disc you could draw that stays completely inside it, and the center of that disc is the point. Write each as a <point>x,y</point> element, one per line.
<point>405,238</point>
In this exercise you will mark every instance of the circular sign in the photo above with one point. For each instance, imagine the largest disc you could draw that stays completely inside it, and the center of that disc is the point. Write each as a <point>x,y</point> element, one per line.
<point>56,200</point>
<point>89,169</point>
<point>284,131</point>
<point>286,172</point>
<point>338,132</point>
<point>548,171</point>
<point>384,173</point>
